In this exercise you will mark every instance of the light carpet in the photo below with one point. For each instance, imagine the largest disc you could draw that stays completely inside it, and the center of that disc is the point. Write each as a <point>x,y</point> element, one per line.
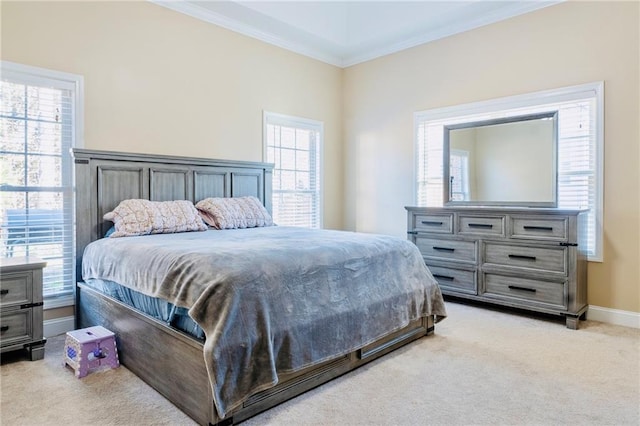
<point>481,367</point>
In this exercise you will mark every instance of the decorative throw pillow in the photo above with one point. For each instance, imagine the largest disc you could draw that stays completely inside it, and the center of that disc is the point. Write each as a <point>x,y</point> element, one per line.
<point>230,213</point>
<point>143,217</point>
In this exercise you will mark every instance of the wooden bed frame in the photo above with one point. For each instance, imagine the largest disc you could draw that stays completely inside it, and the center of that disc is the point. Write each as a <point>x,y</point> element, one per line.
<point>167,359</point>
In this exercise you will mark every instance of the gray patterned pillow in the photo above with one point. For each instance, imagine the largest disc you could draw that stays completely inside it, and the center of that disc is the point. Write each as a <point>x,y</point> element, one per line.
<point>230,213</point>
<point>143,217</point>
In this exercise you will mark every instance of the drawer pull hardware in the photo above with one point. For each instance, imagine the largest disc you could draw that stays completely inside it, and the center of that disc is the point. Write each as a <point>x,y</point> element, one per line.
<point>412,232</point>
<point>521,257</point>
<point>443,277</point>
<point>431,223</point>
<point>4,291</point>
<point>480,225</point>
<point>444,249</point>
<point>515,287</point>
<point>4,328</point>
<point>568,244</point>
<point>538,228</point>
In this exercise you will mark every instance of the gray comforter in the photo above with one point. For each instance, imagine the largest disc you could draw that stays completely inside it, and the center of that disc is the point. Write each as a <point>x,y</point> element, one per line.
<point>276,299</point>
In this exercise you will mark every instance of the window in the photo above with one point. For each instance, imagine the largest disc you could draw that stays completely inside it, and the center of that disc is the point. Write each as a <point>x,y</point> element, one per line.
<point>293,144</point>
<point>39,123</point>
<point>580,147</point>
<point>459,175</point>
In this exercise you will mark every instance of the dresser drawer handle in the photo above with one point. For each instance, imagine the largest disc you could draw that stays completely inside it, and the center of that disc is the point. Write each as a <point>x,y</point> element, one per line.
<point>480,225</point>
<point>521,257</point>
<point>4,328</point>
<point>4,291</point>
<point>431,223</point>
<point>515,287</point>
<point>450,250</point>
<point>538,228</point>
<point>443,277</point>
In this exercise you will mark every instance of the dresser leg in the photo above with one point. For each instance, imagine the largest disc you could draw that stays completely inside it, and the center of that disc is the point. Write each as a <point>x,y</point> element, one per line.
<point>572,322</point>
<point>36,351</point>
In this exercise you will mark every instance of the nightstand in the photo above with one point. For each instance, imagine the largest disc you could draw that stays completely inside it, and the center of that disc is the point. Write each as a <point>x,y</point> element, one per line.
<point>21,305</point>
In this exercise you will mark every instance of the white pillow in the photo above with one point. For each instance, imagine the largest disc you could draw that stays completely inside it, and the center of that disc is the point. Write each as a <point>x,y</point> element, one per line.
<point>230,213</point>
<point>143,217</point>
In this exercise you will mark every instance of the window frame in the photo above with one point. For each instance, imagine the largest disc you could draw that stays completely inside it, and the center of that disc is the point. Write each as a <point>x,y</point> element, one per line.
<point>296,122</point>
<point>589,90</point>
<point>37,76</point>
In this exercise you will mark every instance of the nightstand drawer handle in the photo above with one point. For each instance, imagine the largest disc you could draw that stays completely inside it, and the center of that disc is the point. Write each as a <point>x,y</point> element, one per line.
<point>431,223</point>
<point>4,291</point>
<point>538,228</point>
<point>4,328</point>
<point>480,225</point>
<point>521,257</point>
<point>443,277</point>
<point>444,249</point>
<point>515,287</point>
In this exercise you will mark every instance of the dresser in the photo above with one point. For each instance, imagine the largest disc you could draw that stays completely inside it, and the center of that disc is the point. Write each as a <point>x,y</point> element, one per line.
<point>527,258</point>
<point>21,305</point>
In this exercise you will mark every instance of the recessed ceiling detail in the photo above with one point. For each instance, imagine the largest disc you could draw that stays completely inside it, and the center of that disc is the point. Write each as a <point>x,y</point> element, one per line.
<point>345,33</point>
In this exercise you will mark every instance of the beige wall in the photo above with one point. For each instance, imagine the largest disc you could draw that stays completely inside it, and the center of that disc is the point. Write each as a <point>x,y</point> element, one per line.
<point>562,45</point>
<point>157,81</point>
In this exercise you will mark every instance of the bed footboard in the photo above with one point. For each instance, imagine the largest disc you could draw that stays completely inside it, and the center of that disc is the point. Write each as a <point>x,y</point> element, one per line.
<point>151,349</point>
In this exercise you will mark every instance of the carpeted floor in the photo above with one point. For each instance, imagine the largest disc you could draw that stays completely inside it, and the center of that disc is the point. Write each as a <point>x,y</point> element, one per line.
<point>482,367</point>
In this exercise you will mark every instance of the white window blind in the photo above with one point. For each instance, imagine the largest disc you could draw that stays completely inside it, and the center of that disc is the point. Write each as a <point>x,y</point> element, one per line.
<point>293,145</point>
<point>37,130</point>
<point>580,134</point>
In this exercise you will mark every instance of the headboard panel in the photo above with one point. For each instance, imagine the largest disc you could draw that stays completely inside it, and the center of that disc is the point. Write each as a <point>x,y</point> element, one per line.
<point>105,178</point>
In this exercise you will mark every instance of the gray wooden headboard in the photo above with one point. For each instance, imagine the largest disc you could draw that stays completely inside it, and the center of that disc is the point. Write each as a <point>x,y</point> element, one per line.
<point>104,178</point>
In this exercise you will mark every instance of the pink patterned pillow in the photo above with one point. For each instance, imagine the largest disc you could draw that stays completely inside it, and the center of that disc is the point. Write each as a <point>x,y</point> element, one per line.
<point>230,213</point>
<point>143,217</point>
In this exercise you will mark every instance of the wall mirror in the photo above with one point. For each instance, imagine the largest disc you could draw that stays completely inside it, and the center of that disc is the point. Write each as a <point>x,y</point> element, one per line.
<point>508,161</point>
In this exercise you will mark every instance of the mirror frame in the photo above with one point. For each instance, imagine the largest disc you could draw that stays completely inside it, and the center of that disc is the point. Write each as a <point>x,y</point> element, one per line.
<point>446,163</point>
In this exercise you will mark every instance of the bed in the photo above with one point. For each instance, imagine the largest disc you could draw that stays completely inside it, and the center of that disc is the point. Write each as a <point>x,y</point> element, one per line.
<point>271,334</point>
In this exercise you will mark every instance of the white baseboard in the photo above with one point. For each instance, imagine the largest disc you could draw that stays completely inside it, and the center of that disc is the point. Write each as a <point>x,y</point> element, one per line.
<point>56,326</point>
<point>614,316</point>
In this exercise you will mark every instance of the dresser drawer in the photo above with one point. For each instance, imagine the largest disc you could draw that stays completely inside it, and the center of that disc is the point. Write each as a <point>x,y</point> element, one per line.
<point>481,225</point>
<point>552,259</point>
<point>438,223</point>
<point>455,279</point>
<point>15,326</point>
<point>15,289</point>
<point>547,292</point>
<point>554,229</point>
<point>447,249</point>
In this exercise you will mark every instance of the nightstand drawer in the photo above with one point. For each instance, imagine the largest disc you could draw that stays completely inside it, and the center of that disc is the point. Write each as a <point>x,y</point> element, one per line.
<point>547,292</point>
<point>555,229</point>
<point>481,225</point>
<point>552,259</point>
<point>15,326</point>
<point>455,279</point>
<point>15,289</point>
<point>438,223</point>
<point>447,249</point>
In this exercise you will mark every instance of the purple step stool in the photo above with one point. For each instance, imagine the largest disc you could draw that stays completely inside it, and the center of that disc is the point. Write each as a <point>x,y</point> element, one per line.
<point>90,348</point>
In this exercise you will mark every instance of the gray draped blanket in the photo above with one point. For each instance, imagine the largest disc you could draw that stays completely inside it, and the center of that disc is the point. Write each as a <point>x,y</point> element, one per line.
<point>277,299</point>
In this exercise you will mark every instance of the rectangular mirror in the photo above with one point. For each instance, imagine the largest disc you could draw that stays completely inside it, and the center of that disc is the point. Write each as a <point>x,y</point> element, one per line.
<point>502,162</point>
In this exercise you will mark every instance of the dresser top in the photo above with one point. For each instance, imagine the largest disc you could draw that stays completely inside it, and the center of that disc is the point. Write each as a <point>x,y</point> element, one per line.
<point>9,264</point>
<point>496,209</point>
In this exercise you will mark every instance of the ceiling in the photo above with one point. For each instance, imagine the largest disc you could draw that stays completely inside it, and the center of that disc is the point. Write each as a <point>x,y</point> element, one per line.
<point>345,33</point>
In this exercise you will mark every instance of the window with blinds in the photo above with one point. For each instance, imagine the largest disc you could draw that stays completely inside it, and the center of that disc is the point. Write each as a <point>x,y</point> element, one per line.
<point>580,147</point>
<point>37,130</point>
<point>293,144</point>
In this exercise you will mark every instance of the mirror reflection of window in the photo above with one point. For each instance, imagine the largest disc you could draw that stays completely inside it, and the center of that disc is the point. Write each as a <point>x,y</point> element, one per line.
<point>459,175</point>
